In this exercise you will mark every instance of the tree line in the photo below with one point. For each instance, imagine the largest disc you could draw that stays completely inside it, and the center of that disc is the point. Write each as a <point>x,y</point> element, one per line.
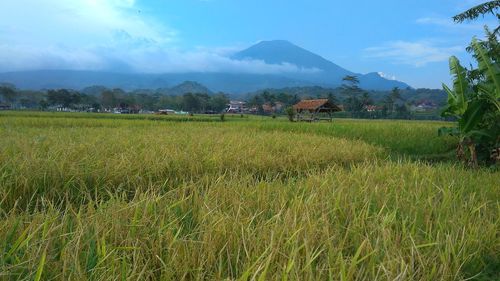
<point>109,99</point>
<point>356,102</point>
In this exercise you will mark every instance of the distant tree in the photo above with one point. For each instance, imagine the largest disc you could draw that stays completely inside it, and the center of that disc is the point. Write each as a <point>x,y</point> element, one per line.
<point>395,94</point>
<point>63,97</point>
<point>402,111</point>
<point>290,112</point>
<point>190,102</point>
<point>352,91</point>
<point>218,102</point>
<point>332,98</point>
<point>351,79</point>
<point>8,93</point>
<point>390,101</point>
<point>284,98</point>
<point>108,99</point>
<point>203,100</point>
<point>127,101</point>
<point>268,97</point>
<point>25,102</point>
<point>43,104</point>
<point>146,101</point>
<point>366,99</point>
<point>88,99</point>
<point>257,101</point>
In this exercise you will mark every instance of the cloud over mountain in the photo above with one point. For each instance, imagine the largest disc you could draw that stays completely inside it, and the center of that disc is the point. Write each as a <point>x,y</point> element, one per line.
<point>110,35</point>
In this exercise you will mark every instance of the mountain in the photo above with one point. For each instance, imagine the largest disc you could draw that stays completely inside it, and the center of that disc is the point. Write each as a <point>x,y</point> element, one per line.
<point>373,81</point>
<point>317,69</point>
<point>281,51</point>
<point>313,70</point>
<point>232,83</point>
<point>186,87</point>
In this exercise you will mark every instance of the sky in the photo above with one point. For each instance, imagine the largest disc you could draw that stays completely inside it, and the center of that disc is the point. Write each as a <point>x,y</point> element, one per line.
<point>408,40</point>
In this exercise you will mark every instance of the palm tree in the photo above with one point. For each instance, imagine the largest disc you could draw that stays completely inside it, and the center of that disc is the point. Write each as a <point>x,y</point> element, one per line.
<point>352,79</point>
<point>390,101</point>
<point>351,90</point>
<point>490,7</point>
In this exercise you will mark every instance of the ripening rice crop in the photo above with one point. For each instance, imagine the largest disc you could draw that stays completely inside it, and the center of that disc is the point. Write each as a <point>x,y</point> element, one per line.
<point>136,199</point>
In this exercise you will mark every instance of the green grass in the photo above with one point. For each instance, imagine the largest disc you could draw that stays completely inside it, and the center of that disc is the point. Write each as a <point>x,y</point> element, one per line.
<point>105,197</point>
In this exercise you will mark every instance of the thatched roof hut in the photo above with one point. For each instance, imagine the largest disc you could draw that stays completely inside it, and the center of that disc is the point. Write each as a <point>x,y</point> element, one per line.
<point>314,107</point>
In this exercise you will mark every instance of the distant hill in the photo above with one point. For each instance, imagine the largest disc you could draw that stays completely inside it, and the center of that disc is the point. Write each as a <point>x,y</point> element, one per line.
<point>186,87</point>
<point>231,83</point>
<point>315,71</point>
<point>177,90</point>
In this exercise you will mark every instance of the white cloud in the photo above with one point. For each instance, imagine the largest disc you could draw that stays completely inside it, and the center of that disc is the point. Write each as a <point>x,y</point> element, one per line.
<point>104,35</point>
<point>387,76</point>
<point>417,53</point>
<point>449,25</point>
<point>76,22</point>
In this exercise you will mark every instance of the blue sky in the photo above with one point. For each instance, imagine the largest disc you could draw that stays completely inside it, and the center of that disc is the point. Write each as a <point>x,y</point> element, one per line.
<point>407,40</point>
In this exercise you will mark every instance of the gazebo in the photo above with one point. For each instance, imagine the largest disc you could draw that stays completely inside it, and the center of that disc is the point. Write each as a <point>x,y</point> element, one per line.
<point>314,108</point>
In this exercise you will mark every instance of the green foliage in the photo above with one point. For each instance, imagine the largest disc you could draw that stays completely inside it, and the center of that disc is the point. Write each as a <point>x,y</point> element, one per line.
<point>8,93</point>
<point>290,113</point>
<point>391,102</point>
<point>63,97</point>
<point>489,7</point>
<point>476,104</point>
<point>352,93</point>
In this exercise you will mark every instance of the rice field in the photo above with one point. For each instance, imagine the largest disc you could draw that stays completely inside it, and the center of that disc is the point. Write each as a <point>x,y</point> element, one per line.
<point>136,197</point>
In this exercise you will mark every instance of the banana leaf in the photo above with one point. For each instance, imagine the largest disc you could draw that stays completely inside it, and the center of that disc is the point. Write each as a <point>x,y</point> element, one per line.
<point>457,98</point>
<point>490,69</point>
<point>472,116</point>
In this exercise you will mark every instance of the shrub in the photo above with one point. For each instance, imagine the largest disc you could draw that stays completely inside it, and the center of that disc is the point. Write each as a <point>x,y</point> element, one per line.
<point>290,112</point>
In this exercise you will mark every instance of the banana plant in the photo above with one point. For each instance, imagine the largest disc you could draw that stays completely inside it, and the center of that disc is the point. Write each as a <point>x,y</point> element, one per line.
<point>475,105</point>
<point>490,88</point>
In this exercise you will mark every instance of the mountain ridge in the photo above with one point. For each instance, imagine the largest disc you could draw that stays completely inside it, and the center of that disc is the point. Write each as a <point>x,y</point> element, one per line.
<point>276,52</point>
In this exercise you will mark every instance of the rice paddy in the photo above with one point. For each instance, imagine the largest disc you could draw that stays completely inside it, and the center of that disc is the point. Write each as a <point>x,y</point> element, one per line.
<point>131,197</point>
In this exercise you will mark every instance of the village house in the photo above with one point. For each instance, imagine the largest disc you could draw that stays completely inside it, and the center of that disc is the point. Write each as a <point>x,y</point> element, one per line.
<point>373,108</point>
<point>270,108</point>
<point>424,106</point>
<point>236,107</point>
<point>165,112</point>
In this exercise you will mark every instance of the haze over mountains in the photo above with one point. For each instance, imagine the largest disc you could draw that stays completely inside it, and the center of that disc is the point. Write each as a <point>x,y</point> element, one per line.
<point>307,69</point>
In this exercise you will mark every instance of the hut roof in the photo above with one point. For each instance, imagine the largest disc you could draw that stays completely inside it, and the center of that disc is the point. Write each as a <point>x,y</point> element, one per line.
<point>316,104</point>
